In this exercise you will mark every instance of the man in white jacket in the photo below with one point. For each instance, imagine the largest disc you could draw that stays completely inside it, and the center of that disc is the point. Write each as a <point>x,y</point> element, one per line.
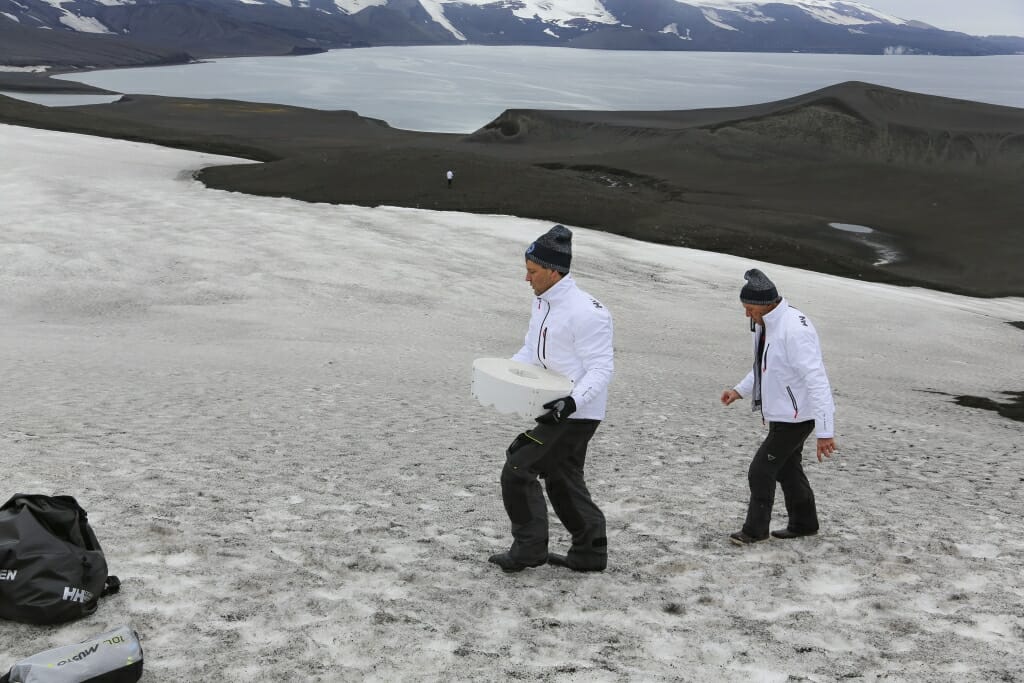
<point>790,389</point>
<point>570,333</point>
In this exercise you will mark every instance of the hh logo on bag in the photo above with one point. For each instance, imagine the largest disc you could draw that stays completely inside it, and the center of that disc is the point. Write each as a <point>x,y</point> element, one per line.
<point>8,574</point>
<point>76,594</point>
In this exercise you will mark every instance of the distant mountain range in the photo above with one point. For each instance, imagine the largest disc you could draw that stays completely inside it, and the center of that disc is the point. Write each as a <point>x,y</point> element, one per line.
<point>63,34</point>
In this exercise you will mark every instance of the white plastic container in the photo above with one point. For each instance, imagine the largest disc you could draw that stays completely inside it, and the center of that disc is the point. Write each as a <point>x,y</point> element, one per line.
<point>513,387</point>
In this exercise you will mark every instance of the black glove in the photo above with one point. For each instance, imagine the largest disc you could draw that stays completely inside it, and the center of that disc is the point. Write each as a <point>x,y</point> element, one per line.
<point>558,410</point>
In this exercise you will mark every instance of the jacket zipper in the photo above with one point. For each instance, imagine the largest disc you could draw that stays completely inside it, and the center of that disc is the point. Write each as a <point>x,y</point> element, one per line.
<point>764,358</point>
<point>542,340</point>
<point>792,399</point>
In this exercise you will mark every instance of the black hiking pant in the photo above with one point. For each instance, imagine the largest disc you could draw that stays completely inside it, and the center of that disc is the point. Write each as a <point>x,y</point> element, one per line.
<point>778,460</point>
<point>555,453</point>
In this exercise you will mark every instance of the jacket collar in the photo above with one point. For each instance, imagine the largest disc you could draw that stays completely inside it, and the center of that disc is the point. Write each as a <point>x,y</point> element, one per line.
<point>559,290</point>
<point>776,313</point>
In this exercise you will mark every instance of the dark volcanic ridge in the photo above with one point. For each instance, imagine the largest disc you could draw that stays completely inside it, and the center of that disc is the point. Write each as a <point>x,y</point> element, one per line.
<point>71,50</point>
<point>854,120</point>
<point>933,180</point>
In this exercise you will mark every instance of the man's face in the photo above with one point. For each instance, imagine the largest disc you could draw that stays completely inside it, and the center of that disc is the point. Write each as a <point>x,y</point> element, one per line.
<point>541,278</point>
<point>757,312</point>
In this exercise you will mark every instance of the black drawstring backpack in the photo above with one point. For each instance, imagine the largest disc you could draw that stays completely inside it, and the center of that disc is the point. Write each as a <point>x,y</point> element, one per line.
<point>52,568</point>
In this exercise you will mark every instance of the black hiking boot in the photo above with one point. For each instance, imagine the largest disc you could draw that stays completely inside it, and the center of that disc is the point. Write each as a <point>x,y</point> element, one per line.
<point>510,564</point>
<point>576,565</point>
<point>740,538</point>
<point>788,533</point>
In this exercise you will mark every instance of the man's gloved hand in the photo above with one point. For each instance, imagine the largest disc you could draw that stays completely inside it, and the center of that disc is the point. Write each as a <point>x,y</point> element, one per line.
<point>558,410</point>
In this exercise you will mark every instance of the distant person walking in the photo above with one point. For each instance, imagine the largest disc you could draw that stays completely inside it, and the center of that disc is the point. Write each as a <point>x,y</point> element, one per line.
<point>789,386</point>
<point>570,333</point>
<point>449,176</point>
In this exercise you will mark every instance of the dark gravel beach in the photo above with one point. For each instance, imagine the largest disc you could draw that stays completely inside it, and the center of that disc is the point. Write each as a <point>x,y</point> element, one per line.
<point>937,180</point>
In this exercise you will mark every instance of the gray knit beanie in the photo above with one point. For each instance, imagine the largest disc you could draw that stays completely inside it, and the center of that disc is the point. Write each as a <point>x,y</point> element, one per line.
<point>553,249</point>
<point>759,289</point>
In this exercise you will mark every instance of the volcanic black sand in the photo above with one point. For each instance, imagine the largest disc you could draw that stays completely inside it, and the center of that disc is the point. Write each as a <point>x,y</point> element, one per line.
<point>939,181</point>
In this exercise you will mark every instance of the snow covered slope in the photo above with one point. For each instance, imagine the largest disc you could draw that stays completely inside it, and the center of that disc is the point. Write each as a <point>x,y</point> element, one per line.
<point>264,406</point>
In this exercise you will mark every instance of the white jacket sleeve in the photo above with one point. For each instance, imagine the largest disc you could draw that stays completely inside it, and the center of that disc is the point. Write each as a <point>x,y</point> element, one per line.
<point>527,354</point>
<point>594,347</point>
<point>806,360</point>
<point>746,385</point>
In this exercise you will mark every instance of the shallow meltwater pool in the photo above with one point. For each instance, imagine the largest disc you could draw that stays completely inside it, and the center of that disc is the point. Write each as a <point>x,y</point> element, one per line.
<point>885,250</point>
<point>850,227</point>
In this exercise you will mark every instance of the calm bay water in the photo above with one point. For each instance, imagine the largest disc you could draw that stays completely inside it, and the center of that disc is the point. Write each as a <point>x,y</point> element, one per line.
<point>458,89</point>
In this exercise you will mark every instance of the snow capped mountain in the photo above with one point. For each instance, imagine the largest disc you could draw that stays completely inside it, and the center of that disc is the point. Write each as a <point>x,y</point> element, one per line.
<point>547,11</point>
<point>838,12</point>
<point>209,28</point>
<point>348,6</point>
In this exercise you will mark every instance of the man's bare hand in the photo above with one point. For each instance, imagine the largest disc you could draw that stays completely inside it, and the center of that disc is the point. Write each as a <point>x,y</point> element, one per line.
<point>826,447</point>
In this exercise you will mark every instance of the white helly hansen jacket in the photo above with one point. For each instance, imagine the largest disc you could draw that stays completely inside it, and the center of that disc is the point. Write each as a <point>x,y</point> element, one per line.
<point>794,386</point>
<point>571,333</point>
